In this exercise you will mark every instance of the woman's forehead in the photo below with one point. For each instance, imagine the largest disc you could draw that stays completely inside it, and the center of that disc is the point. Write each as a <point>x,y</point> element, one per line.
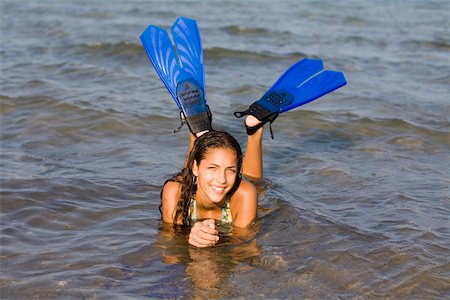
<point>220,154</point>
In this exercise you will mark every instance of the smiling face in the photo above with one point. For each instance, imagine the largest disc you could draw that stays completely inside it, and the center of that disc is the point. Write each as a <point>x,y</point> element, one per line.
<point>216,175</point>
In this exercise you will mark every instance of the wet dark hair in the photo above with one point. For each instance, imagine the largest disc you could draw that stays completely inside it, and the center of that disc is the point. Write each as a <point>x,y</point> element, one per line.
<point>204,143</point>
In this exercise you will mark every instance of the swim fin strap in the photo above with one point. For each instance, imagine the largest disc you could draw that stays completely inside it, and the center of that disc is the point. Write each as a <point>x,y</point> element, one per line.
<point>303,82</point>
<point>182,70</point>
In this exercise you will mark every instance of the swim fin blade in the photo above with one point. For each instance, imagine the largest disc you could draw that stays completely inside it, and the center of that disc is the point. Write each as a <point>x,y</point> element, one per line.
<point>160,51</point>
<point>303,82</point>
<point>182,70</point>
<point>187,40</point>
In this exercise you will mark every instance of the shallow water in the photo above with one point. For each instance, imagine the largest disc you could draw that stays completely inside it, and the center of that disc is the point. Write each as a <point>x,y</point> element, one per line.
<point>357,198</point>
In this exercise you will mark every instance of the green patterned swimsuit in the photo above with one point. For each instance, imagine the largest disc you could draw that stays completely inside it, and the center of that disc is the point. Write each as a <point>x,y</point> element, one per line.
<point>226,211</point>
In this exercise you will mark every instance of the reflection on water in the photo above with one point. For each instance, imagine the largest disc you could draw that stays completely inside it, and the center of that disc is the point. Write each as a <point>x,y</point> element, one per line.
<point>208,270</point>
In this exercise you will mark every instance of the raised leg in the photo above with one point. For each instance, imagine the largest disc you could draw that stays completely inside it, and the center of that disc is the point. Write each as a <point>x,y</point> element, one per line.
<point>192,139</point>
<point>252,165</point>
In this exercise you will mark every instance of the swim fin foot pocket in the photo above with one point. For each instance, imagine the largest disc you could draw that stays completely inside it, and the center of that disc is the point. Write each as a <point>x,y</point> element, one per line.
<point>196,123</point>
<point>195,112</point>
<point>266,109</point>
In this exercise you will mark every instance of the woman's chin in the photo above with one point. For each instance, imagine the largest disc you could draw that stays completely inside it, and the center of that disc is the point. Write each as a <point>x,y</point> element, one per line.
<point>217,194</point>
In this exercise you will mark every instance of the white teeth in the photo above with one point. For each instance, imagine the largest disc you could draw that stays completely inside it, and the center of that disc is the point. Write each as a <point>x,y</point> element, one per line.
<point>217,189</point>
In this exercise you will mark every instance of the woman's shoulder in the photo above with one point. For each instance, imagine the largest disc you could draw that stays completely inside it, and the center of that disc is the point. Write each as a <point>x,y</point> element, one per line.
<point>246,190</point>
<point>244,204</point>
<point>169,199</point>
<point>171,184</point>
<point>171,190</point>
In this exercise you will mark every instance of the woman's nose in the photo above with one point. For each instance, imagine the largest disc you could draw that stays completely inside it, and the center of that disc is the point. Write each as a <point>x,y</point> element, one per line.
<point>221,177</point>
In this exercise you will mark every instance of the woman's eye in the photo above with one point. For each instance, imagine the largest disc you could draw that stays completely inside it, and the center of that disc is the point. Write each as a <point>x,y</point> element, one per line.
<point>233,171</point>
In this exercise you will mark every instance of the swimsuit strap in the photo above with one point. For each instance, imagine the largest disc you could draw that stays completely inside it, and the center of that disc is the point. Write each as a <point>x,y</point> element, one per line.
<point>226,212</point>
<point>193,209</point>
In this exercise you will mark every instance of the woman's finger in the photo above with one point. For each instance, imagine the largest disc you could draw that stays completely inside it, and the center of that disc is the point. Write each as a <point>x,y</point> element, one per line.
<point>199,242</point>
<point>209,226</point>
<point>210,223</point>
<point>207,236</point>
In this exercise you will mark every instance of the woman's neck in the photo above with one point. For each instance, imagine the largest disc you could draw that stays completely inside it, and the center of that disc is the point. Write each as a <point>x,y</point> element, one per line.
<point>204,204</point>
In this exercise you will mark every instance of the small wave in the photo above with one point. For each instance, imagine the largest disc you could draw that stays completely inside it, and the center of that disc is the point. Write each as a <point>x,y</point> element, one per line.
<point>363,40</point>
<point>244,90</point>
<point>357,20</point>
<point>6,106</point>
<point>258,31</point>
<point>441,45</point>
<point>225,53</point>
<point>235,29</point>
<point>122,48</point>
<point>97,15</point>
<point>412,143</point>
<point>445,80</point>
<point>401,131</point>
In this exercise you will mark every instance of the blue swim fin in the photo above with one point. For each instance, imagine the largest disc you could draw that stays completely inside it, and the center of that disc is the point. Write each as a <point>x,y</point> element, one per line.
<point>187,40</point>
<point>303,82</point>
<point>182,71</point>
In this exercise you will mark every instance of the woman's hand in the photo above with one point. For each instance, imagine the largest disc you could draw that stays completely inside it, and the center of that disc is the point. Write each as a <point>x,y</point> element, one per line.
<point>204,234</point>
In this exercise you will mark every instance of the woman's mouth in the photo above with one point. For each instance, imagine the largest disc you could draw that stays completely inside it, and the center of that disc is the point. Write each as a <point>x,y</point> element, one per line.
<point>218,189</point>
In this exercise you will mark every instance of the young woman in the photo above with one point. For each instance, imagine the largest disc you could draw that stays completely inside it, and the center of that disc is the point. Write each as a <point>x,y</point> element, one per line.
<point>210,187</point>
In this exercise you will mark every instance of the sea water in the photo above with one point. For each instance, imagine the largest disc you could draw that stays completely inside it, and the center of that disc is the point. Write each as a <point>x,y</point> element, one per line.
<point>356,197</point>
